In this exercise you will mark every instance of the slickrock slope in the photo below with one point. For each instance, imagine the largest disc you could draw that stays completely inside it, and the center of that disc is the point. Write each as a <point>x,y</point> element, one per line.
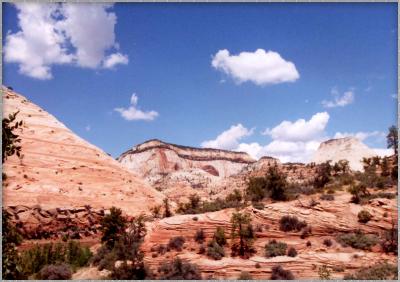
<point>327,219</point>
<point>61,170</point>
<point>188,169</point>
<point>348,148</point>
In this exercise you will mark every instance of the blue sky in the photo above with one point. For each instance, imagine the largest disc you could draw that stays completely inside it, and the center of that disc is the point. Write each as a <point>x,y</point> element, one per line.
<point>332,65</point>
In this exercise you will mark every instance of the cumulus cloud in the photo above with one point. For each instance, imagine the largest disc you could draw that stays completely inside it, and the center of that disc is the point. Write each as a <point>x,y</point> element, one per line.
<point>259,67</point>
<point>229,139</point>
<point>361,135</point>
<point>300,130</point>
<point>55,34</point>
<point>134,113</point>
<point>339,101</point>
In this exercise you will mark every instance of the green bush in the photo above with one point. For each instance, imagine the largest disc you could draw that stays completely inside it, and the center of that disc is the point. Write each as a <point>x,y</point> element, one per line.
<point>112,226</point>
<point>389,242</point>
<point>199,236</point>
<point>219,236</point>
<point>292,252</point>
<point>215,251</point>
<point>290,223</point>
<point>274,248</point>
<point>380,271</point>
<point>364,216</point>
<point>178,270</point>
<point>176,243</point>
<point>55,272</point>
<point>357,240</point>
<point>278,273</point>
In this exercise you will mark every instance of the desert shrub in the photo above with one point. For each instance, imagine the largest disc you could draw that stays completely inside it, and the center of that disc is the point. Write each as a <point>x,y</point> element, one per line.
<point>274,248</point>
<point>129,272</point>
<point>290,223</point>
<point>327,242</point>
<point>305,232</point>
<point>292,252</point>
<point>364,216</point>
<point>202,250</point>
<point>242,235</point>
<point>215,251</point>
<point>179,270</point>
<point>167,208</point>
<point>257,265</point>
<point>219,236</point>
<point>256,188</point>
<point>324,273</point>
<point>112,226</point>
<point>244,275</point>
<point>72,253</point>
<point>323,175</point>
<point>308,244</point>
<point>357,240</point>
<point>55,272</point>
<point>327,197</point>
<point>176,243</point>
<point>199,236</point>
<point>161,249</point>
<point>278,273</point>
<point>380,271</point>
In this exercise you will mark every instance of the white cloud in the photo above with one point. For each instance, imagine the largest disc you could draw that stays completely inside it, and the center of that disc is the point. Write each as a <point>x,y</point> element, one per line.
<point>361,135</point>
<point>300,130</point>
<point>115,59</point>
<point>51,34</point>
<point>339,101</point>
<point>88,128</point>
<point>228,139</point>
<point>259,67</point>
<point>394,96</point>
<point>133,113</point>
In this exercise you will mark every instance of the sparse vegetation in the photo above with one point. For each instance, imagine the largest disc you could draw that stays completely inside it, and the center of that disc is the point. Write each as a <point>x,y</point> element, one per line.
<point>10,140</point>
<point>327,197</point>
<point>357,240</point>
<point>274,248</point>
<point>219,236</point>
<point>215,251</point>
<point>55,272</point>
<point>389,242</point>
<point>289,223</point>
<point>179,270</point>
<point>327,242</point>
<point>112,226</point>
<point>176,243</point>
<point>199,236</point>
<point>278,273</point>
<point>242,230</point>
<point>380,271</point>
<point>292,252</point>
<point>364,216</point>
<point>324,273</point>
<point>244,275</point>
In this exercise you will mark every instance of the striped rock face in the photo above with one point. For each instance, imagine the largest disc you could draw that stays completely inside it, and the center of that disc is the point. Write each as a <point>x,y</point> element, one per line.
<point>61,170</point>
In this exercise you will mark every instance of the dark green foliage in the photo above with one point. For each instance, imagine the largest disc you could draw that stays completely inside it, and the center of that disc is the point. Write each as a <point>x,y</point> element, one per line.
<point>385,172</point>
<point>10,259</point>
<point>244,275</point>
<point>380,271</point>
<point>199,236</point>
<point>292,252</point>
<point>242,235</point>
<point>357,240</point>
<point>219,236</point>
<point>327,197</point>
<point>273,185</point>
<point>112,226</point>
<point>11,141</point>
<point>278,273</point>
<point>274,248</point>
<point>323,175</point>
<point>215,251</point>
<point>364,216</point>
<point>178,270</point>
<point>290,223</point>
<point>393,139</point>
<point>55,272</point>
<point>327,242</point>
<point>176,243</point>
<point>71,253</point>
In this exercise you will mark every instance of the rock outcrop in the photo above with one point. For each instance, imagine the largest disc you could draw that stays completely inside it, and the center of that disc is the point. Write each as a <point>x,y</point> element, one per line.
<point>58,169</point>
<point>348,148</point>
<point>165,165</point>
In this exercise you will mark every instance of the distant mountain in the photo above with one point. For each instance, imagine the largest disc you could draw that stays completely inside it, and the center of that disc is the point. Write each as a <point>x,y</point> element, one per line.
<point>348,148</point>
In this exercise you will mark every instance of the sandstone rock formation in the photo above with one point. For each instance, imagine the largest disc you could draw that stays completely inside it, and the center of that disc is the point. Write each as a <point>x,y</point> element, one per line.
<point>348,148</point>
<point>61,170</point>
